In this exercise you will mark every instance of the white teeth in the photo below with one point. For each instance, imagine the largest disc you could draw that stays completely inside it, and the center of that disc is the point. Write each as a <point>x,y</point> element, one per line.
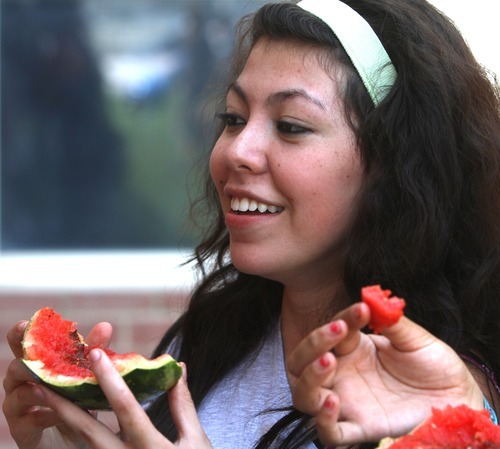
<point>245,204</point>
<point>262,207</point>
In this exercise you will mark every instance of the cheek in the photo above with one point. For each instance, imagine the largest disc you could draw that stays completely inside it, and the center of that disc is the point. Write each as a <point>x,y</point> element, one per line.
<point>345,198</point>
<point>216,166</point>
<point>329,196</point>
<point>218,173</point>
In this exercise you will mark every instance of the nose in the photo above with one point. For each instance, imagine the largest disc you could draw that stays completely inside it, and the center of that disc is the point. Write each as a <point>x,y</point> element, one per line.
<point>246,150</point>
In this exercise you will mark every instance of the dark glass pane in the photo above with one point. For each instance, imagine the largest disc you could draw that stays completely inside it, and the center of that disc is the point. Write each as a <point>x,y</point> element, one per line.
<point>100,118</point>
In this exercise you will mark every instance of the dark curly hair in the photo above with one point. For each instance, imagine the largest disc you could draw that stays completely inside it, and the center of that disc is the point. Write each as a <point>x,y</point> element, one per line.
<point>428,221</point>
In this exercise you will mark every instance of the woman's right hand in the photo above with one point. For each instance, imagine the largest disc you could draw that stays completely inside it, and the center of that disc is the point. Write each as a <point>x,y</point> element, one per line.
<point>31,425</point>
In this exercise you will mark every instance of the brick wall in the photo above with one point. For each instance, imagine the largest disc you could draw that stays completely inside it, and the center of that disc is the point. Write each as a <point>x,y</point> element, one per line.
<point>139,319</point>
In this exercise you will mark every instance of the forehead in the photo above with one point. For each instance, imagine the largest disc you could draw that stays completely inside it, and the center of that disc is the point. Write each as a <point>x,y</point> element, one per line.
<point>291,64</point>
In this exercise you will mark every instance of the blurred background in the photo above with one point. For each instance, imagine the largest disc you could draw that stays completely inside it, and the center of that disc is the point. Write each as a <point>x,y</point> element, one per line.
<point>101,118</point>
<point>101,131</point>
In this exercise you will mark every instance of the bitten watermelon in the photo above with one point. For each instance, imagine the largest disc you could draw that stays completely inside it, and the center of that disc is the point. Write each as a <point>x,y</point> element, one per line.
<point>457,427</point>
<point>58,356</point>
<point>385,310</point>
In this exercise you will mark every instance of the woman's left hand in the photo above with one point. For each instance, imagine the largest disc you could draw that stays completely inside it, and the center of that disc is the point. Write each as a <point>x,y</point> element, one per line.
<point>361,388</point>
<point>137,430</point>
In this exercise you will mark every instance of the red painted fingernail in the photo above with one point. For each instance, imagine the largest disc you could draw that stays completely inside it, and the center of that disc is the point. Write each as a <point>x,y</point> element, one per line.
<point>335,327</point>
<point>324,361</point>
<point>329,403</point>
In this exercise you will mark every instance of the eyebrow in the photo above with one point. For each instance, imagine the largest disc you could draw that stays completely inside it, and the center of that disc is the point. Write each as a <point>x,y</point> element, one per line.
<point>279,97</point>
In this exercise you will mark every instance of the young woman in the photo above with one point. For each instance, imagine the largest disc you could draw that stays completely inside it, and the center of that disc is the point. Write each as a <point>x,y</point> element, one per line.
<point>360,144</point>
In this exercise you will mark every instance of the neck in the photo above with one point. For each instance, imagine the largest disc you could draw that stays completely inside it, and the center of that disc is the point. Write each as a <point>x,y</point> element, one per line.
<point>304,311</point>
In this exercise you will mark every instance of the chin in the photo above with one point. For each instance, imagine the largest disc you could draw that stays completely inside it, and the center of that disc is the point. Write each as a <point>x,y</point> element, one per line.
<point>256,261</point>
<point>253,267</point>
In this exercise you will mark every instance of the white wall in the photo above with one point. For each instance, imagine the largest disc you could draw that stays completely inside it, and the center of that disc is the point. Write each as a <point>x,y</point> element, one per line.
<point>477,19</point>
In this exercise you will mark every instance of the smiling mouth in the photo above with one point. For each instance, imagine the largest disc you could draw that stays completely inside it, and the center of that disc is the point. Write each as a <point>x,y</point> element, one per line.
<point>242,205</point>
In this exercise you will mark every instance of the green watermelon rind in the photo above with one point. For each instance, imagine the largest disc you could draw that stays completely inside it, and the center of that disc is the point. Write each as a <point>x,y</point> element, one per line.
<point>146,379</point>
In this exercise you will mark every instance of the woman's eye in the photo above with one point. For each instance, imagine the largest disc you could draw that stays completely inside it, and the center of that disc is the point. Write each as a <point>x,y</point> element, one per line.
<point>290,128</point>
<point>230,119</point>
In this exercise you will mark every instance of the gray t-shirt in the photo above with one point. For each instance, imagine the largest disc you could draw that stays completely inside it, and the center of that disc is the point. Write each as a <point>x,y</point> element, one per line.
<point>237,411</point>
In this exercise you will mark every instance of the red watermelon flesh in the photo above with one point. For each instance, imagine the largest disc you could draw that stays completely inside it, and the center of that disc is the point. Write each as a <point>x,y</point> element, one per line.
<point>63,349</point>
<point>457,427</point>
<point>385,309</point>
<point>57,355</point>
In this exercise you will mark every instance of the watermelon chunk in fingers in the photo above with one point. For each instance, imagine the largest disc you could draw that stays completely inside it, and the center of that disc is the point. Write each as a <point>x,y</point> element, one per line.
<point>385,309</point>
<point>457,427</point>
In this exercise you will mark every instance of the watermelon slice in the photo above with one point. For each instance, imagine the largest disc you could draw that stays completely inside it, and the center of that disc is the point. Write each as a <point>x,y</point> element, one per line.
<point>457,427</point>
<point>385,310</point>
<point>57,355</point>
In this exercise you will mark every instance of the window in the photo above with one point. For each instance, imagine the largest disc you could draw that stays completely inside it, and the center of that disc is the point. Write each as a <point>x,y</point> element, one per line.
<point>101,118</point>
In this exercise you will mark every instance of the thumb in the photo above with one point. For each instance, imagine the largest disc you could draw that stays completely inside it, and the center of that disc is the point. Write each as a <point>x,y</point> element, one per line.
<point>407,336</point>
<point>100,335</point>
<point>184,412</point>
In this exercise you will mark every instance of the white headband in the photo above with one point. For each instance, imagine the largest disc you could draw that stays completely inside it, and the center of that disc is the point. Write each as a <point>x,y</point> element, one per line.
<point>360,43</point>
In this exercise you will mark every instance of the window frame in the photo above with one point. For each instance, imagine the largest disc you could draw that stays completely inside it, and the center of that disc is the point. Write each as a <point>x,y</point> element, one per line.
<point>96,271</point>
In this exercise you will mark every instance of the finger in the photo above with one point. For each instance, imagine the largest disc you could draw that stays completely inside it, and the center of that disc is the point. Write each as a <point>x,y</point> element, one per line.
<point>25,433</point>
<point>24,411</point>
<point>312,387</point>
<point>15,336</point>
<point>16,375</point>
<point>26,415</point>
<point>130,414</point>
<point>356,317</point>
<point>20,399</point>
<point>100,335</point>
<point>93,432</point>
<point>327,421</point>
<point>312,347</point>
<point>184,414</point>
<point>330,430</point>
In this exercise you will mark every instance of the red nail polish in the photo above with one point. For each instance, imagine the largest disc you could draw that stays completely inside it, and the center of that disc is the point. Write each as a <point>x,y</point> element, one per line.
<point>329,403</point>
<point>324,361</point>
<point>334,327</point>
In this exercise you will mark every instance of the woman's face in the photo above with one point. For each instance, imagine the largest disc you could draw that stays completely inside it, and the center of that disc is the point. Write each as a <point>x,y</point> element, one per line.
<point>286,166</point>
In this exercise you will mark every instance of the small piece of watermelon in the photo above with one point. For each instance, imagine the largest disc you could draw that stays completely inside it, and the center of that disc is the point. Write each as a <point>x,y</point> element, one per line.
<point>385,310</point>
<point>57,355</point>
<point>457,427</point>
